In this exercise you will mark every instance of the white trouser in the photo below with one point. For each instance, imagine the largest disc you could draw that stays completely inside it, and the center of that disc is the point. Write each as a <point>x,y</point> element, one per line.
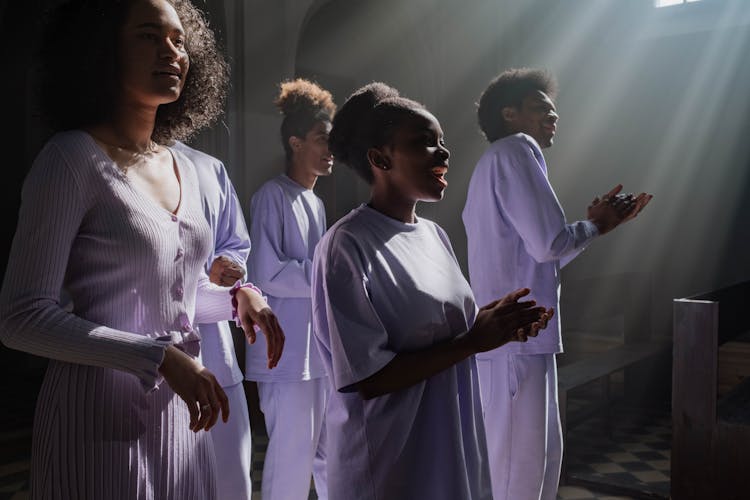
<point>294,413</point>
<point>233,447</point>
<point>522,421</point>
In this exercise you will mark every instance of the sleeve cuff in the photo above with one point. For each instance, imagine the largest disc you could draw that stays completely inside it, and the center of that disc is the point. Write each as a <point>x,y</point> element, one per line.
<point>233,292</point>
<point>149,376</point>
<point>591,228</point>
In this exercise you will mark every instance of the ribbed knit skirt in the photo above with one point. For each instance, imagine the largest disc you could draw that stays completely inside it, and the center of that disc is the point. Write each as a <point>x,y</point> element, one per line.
<point>97,435</point>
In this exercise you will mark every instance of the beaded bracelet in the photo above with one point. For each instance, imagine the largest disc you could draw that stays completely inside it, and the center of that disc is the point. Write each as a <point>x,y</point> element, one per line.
<point>233,293</point>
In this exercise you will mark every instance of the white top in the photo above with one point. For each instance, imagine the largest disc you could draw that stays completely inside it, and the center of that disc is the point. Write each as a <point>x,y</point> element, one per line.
<point>381,287</point>
<point>230,239</point>
<point>133,269</point>
<point>517,234</point>
<point>287,221</point>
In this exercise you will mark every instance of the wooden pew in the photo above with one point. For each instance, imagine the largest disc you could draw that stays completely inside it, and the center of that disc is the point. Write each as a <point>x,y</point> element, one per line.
<point>632,308</point>
<point>710,436</point>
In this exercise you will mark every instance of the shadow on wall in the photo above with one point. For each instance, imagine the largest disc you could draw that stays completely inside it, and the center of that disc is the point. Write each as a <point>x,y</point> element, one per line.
<point>653,98</point>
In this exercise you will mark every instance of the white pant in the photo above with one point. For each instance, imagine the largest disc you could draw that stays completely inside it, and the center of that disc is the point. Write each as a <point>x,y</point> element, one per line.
<point>522,421</point>
<point>294,414</point>
<point>233,448</point>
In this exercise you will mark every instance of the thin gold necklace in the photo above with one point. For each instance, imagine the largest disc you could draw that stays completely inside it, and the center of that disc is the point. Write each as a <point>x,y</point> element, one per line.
<point>126,157</point>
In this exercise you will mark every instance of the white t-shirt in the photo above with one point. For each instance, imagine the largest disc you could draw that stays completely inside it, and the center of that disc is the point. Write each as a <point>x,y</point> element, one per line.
<point>381,287</point>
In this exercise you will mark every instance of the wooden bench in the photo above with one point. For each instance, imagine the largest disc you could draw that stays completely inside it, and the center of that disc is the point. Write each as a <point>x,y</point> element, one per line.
<point>710,435</point>
<point>631,307</point>
<point>601,367</point>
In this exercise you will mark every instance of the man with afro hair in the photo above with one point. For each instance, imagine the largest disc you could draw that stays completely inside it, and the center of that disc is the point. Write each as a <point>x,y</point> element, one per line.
<point>518,237</point>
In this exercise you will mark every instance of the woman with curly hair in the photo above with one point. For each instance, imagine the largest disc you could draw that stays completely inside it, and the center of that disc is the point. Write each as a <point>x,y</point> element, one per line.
<point>288,220</point>
<point>113,214</point>
<point>396,322</point>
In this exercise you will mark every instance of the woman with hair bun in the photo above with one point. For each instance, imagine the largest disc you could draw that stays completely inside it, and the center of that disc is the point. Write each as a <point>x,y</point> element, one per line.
<point>112,213</point>
<point>287,221</point>
<point>396,321</point>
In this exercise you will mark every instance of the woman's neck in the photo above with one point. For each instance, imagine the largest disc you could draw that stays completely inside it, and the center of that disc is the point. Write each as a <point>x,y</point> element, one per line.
<point>393,207</point>
<point>129,128</point>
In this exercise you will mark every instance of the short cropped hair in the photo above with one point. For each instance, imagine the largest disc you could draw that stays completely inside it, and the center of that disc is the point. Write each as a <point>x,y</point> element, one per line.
<point>508,89</point>
<point>78,77</point>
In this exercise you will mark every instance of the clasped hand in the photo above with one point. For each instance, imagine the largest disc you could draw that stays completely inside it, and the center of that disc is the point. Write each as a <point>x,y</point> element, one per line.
<point>507,320</point>
<point>612,209</point>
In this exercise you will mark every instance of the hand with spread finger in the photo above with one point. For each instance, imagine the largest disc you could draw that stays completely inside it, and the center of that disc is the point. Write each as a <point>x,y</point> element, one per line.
<point>623,203</point>
<point>612,209</point>
<point>639,203</point>
<point>197,386</point>
<point>603,213</point>
<point>252,310</point>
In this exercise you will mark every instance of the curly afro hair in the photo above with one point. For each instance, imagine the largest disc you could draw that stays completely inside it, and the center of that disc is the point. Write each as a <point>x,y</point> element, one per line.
<point>78,75</point>
<point>508,89</point>
<point>303,104</point>
<point>368,119</point>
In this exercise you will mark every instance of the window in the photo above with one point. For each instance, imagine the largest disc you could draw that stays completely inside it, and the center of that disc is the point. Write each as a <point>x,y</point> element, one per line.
<point>667,3</point>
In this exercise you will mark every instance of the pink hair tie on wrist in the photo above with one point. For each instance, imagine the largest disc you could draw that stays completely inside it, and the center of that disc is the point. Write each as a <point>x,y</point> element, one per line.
<point>233,293</point>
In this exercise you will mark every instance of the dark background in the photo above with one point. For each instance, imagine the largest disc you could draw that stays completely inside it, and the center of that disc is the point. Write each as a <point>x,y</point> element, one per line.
<point>656,99</point>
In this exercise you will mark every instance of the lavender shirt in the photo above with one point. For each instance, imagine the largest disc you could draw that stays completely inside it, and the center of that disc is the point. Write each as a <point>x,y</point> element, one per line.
<point>287,222</point>
<point>230,239</point>
<point>133,269</point>
<point>517,234</point>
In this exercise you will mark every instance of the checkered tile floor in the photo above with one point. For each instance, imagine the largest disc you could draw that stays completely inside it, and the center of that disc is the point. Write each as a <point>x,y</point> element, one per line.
<point>630,461</point>
<point>260,444</point>
<point>631,456</point>
<point>581,493</point>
